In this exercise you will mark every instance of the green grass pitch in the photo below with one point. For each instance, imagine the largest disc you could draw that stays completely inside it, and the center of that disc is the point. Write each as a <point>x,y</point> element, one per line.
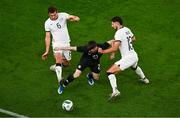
<point>28,87</point>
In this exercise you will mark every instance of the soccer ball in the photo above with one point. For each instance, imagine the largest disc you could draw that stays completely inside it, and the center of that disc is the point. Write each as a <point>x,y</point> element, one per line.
<point>67,105</point>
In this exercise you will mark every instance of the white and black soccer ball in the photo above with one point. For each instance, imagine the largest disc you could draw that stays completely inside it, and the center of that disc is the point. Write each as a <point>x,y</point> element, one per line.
<point>67,105</point>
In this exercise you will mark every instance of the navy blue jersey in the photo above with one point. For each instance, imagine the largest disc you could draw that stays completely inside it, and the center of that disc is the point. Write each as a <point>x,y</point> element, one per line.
<point>91,58</point>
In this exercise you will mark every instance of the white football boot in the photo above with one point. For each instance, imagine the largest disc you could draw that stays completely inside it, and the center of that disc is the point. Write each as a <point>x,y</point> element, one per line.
<point>114,94</point>
<point>144,80</point>
<point>52,67</point>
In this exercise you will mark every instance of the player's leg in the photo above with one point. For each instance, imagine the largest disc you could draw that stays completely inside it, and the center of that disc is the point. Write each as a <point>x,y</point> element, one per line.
<point>112,78</point>
<point>69,79</point>
<point>90,78</point>
<point>94,74</point>
<point>95,71</point>
<point>65,63</point>
<point>119,66</point>
<point>58,67</point>
<point>66,57</point>
<point>140,73</point>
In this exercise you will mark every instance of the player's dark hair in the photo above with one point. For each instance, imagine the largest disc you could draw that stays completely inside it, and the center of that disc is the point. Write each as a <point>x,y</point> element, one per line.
<point>52,9</point>
<point>117,19</point>
<point>91,44</point>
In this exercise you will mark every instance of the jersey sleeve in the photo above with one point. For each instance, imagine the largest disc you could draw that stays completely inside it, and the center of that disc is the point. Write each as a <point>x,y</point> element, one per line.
<point>65,15</point>
<point>104,45</point>
<point>81,48</point>
<point>46,26</point>
<point>131,34</point>
<point>118,36</point>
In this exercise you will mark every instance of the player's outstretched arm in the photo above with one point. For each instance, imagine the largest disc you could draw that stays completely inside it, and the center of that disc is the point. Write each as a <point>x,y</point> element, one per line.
<point>73,18</point>
<point>114,48</point>
<point>71,48</point>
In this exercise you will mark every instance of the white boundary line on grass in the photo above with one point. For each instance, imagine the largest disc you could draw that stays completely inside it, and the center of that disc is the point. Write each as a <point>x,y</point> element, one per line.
<point>12,114</point>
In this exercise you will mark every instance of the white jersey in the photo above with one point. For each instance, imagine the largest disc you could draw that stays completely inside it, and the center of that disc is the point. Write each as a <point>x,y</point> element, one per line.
<point>58,28</point>
<point>125,36</point>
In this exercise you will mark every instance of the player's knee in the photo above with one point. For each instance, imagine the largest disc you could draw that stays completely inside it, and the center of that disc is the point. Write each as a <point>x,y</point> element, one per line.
<point>58,61</point>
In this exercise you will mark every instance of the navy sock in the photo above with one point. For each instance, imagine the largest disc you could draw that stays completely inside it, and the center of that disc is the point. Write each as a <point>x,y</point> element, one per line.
<point>68,80</point>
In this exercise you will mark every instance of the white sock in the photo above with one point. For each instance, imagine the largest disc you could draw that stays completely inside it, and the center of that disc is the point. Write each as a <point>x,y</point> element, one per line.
<point>58,70</point>
<point>140,73</point>
<point>112,79</point>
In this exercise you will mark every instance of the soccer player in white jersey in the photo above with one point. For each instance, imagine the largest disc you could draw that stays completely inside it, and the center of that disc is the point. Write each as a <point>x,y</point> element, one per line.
<point>123,41</point>
<point>56,25</point>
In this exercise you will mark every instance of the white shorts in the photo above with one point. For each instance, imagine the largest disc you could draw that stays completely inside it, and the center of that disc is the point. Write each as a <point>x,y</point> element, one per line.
<point>125,62</point>
<point>64,53</point>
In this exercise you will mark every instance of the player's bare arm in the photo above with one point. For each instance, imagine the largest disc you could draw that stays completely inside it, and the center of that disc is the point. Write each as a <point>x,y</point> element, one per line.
<point>111,42</point>
<point>73,18</point>
<point>71,48</point>
<point>114,48</point>
<point>112,55</point>
<point>47,43</point>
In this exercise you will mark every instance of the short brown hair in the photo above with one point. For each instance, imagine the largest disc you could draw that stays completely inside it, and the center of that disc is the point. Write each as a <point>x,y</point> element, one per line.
<point>91,44</point>
<point>117,19</point>
<point>52,9</point>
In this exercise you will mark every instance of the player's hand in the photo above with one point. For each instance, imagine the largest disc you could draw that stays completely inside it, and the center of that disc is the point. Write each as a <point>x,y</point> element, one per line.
<point>100,50</point>
<point>74,18</point>
<point>44,56</point>
<point>77,18</point>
